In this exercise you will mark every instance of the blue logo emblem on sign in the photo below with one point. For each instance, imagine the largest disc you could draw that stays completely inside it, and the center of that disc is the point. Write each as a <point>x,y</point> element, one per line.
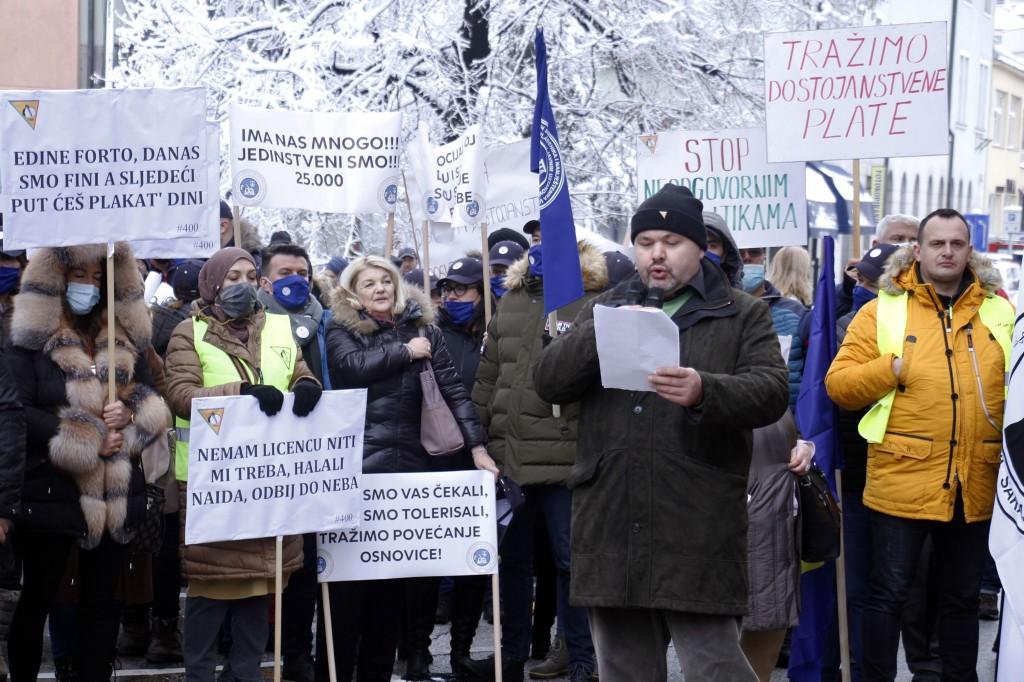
<point>482,557</point>
<point>473,209</point>
<point>550,168</point>
<point>321,564</point>
<point>391,194</point>
<point>249,188</point>
<point>432,205</point>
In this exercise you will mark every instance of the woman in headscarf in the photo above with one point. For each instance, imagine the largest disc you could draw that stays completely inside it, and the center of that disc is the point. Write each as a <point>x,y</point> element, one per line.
<point>224,349</point>
<point>83,479</point>
<point>382,337</point>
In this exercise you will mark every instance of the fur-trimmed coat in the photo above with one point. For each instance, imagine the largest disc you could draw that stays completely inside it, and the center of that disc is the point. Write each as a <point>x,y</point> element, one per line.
<point>364,353</point>
<point>938,442</point>
<point>62,383</point>
<point>530,444</point>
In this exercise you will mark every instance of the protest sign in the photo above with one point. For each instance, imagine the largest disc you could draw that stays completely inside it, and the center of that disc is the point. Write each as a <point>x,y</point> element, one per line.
<point>850,93</point>
<point>88,166</point>
<point>512,190</point>
<point>763,203</point>
<point>319,161</point>
<point>451,178</point>
<point>204,237</point>
<point>254,476</point>
<point>426,524</point>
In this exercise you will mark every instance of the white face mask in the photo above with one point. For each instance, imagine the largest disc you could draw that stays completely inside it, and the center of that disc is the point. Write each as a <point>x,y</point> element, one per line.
<point>82,298</point>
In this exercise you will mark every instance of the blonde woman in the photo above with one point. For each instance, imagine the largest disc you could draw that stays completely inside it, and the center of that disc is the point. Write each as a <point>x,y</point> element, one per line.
<point>381,338</point>
<point>790,272</point>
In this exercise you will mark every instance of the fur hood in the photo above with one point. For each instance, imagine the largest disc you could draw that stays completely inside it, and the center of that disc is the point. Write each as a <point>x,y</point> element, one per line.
<point>41,324</point>
<point>592,263</point>
<point>39,310</point>
<point>349,314</point>
<point>901,261</point>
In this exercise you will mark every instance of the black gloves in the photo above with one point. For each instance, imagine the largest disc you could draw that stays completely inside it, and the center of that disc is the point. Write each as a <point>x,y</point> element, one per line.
<point>270,399</point>
<point>307,395</point>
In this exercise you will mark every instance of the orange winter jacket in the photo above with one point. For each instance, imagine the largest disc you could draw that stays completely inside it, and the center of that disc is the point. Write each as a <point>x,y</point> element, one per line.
<point>938,439</point>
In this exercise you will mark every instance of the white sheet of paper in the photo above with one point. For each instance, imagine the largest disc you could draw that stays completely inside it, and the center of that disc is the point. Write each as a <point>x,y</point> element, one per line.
<point>633,343</point>
<point>786,344</point>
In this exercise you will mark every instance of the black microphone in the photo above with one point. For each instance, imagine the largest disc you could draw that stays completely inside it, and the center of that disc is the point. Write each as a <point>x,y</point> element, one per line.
<point>636,292</point>
<point>655,298</point>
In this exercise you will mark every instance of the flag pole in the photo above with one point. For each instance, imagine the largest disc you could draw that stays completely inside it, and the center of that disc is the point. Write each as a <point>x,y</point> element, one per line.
<point>389,238</point>
<point>328,632</point>
<point>111,338</point>
<point>426,257</point>
<point>556,410</point>
<point>278,589</point>
<point>487,272</point>
<point>841,614</point>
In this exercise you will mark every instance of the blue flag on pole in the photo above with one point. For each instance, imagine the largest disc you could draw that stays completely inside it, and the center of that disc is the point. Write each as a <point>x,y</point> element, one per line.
<point>563,281</point>
<point>818,419</point>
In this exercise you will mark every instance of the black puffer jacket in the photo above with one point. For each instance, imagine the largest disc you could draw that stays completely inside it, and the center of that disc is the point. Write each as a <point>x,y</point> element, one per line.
<point>364,353</point>
<point>165,318</point>
<point>12,443</point>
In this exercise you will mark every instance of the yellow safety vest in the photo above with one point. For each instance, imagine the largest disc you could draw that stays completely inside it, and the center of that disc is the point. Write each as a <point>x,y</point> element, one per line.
<point>278,355</point>
<point>996,313</point>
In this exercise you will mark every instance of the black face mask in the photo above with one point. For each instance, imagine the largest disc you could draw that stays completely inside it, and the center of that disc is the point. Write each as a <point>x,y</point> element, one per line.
<point>238,300</point>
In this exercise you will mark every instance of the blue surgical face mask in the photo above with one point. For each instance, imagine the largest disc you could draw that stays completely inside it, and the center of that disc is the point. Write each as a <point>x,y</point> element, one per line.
<point>9,278</point>
<point>713,257</point>
<point>535,261</point>
<point>292,291</point>
<point>862,295</point>
<point>82,298</point>
<point>753,277</point>
<point>498,287</point>
<point>461,312</point>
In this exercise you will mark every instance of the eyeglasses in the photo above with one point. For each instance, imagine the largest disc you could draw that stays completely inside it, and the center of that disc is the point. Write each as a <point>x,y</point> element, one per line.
<point>457,289</point>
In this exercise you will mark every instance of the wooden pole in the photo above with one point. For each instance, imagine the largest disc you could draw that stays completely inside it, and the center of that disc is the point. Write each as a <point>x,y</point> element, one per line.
<point>328,632</point>
<point>844,627</point>
<point>389,238</point>
<point>111,337</point>
<point>855,248</point>
<point>487,273</point>
<point>412,221</point>
<point>425,265</point>
<point>278,590</point>
<point>496,606</point>
<point>556,410</point>
<point>236,220</point>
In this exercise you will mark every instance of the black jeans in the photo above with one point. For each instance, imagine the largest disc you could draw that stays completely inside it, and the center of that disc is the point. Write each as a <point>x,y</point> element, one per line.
<point>167,571</point>
<point>99,570</point>
<point>298,605</point>
<point>960,549</point>
<point>366,616</point>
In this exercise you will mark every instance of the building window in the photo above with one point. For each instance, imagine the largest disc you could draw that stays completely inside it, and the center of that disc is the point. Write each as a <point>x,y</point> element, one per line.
<point>917,195</point>
<point>960,195</point>
<point>941,201</point>
<point>983,90</point>
<point>967,206</point>
<point>998,117</point>
<point>1013,122</point>
<point>962,81</point>
<point>903,193</point>
<point>929,199</point>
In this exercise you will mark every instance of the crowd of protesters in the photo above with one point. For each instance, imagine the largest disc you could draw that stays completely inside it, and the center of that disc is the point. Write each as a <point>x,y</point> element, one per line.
<point>649,516</point>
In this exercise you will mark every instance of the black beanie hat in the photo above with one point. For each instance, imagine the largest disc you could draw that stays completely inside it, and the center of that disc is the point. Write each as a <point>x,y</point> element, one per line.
<point>674,209</point>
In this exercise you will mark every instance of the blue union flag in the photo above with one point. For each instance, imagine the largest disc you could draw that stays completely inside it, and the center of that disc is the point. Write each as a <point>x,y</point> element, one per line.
<point>563,281</point>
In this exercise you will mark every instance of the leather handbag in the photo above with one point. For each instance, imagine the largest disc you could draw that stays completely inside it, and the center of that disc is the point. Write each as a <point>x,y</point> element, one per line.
<point>148,534</point>
<point>439,432</point>
<point>820,518</point>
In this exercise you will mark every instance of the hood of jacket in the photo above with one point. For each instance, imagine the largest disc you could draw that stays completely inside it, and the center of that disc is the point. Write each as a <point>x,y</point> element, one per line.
<point>251,241</point>
<point>732,262</point>
<point>896,278</point>
<point>592,264</point>
<point>351,315</point>
<point>39,306</point>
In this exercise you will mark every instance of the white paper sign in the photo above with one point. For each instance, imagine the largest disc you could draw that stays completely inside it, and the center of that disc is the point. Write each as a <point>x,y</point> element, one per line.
<point>319,161</point>
<point>764,204</point>
<point>90,166</point>
<point>512,190</point>
<point>633,343</point>
<point>413,525</point>
<point>254,476</point>
<point>450,178</point>
<point>853,93</point>
<point>205,236</point>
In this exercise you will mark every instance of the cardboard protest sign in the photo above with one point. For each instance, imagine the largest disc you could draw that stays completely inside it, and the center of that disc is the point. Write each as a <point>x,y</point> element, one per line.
<point>764,204</point>
<point>88,166</point>
<point>512,189</point>
<point>319,161</point>
<point>254,476</point>
<point>204,237</point>
<point>428,524</point>
<point>850,93</point>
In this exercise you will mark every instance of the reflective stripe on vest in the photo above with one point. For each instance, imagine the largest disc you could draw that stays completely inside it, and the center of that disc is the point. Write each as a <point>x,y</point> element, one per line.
<point>278,355</point>
<point>996,314</point>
